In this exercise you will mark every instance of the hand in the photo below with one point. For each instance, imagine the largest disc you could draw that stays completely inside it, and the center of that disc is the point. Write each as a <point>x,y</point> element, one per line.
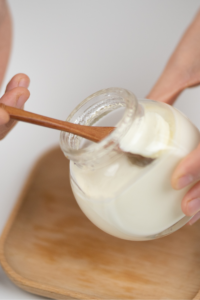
<point>182,71</point>
<point>16,95</point>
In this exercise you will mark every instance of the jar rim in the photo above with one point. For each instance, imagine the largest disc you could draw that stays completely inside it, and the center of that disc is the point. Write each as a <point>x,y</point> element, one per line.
<point>120,97</point>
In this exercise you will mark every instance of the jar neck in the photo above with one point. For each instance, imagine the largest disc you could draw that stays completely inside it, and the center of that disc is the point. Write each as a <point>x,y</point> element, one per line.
<point>89,112</point>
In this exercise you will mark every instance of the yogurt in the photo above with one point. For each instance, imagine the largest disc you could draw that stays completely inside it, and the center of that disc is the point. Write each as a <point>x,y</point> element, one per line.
<point>134,202</point>
<point>155,133</point>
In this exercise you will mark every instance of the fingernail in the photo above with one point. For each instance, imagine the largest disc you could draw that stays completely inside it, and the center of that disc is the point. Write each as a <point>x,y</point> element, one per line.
<point>193,206</point>
<point>184,181</point>
<point>24,83</point>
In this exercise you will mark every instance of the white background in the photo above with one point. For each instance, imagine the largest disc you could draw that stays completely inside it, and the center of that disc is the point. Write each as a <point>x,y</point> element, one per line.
<point>72,48</point>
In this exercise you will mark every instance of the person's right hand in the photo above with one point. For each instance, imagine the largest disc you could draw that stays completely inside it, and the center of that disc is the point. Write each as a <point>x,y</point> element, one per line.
<point>16,95</point>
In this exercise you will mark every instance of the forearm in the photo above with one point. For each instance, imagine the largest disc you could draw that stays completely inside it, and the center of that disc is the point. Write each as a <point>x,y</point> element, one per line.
<point>183,67</point>
<point>5,37</point>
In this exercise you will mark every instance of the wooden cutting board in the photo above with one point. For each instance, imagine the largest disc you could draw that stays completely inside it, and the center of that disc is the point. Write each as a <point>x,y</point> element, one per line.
<point>51,249</point>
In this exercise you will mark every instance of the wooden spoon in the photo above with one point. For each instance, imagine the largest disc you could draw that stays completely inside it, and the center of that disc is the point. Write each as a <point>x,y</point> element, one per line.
<point>95,134</point>
<point>92,133</point>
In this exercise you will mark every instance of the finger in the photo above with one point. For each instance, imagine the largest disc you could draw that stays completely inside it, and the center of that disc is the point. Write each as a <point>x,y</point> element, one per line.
<point>19,80</point>
<point>15,97</point>
<point>4,116</point>
<point>188,170</point>
<point>191,201</point>
<point>194,219</point>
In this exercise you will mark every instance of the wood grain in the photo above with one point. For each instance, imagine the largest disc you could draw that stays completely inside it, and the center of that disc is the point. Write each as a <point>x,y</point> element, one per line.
<point>92,133</point>
<point>51,249</point>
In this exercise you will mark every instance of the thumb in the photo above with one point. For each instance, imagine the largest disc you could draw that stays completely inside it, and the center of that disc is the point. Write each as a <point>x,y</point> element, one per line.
<point>4,116</point>
<point>188,170</point>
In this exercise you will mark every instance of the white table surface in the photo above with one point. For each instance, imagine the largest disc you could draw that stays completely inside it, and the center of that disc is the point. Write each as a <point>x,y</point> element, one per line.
<point>72,48</point>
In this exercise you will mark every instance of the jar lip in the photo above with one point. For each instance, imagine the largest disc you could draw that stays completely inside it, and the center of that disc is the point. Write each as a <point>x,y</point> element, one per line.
<point>97,150</point>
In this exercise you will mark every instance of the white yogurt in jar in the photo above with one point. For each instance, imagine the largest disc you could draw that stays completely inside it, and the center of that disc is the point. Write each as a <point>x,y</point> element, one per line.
<point>134,202</point>
<point>155,132</point>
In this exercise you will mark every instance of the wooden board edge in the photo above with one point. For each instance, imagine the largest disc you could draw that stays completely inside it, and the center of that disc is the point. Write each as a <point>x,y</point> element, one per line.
<point>23,283</point>
<point>197,297</point>
<point>20,199</point>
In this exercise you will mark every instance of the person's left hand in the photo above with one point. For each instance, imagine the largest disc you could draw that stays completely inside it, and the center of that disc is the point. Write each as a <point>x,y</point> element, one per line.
<point>16,95</point>
<point>182,71</point>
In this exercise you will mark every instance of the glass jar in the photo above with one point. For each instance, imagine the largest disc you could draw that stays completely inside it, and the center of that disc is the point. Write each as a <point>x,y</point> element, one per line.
<point>129,196</point>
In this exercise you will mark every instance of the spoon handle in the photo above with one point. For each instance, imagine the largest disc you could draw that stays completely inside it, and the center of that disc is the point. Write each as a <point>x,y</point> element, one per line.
<point>92,133</point>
